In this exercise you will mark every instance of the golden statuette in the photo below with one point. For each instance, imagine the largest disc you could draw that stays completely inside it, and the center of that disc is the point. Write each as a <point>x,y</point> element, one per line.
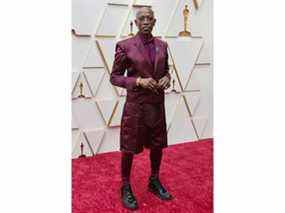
<point>82,155</point>
<point>173,86</point>
<point>131,29</point>
<point>186,13</point>
<point>81,90</point>
<point>173,82</point>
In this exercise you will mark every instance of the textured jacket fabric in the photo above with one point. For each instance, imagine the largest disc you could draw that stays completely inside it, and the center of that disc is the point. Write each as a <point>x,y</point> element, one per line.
<point>143,120</point>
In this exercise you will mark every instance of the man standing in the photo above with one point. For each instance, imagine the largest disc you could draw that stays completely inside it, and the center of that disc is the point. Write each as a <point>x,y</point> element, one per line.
<point>143,121</point>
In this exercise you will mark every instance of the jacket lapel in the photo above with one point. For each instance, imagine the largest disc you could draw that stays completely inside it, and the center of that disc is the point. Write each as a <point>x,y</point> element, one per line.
<point>158,53</point>
<point>142,50</point>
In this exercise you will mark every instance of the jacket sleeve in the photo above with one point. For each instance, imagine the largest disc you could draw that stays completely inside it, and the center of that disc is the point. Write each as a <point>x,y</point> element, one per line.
<point>121,63</point>
<point>166,64</point>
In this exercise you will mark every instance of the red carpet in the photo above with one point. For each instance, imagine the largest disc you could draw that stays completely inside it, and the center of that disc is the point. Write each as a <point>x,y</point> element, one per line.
<point>186,171</point>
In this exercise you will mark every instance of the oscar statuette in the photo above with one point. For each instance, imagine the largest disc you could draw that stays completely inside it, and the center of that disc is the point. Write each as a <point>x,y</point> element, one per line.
<point>173,86</point>
<point>81,95</point>
<point>173,83</point>
<point>185,33</point>
<point>131,29</point>
<point>81,151</point>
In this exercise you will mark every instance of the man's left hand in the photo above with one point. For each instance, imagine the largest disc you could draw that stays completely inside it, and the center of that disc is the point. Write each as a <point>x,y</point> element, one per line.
<point>164,82</point>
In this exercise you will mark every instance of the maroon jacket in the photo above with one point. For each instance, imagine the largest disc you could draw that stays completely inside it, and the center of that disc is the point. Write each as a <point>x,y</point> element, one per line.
<point>131,55</point>
<point>143,107</point>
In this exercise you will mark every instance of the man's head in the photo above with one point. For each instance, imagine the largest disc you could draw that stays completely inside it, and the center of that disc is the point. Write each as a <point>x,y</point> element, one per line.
<point>145,20</point>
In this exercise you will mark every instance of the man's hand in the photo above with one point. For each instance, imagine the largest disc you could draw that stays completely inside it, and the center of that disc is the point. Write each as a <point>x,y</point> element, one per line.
<point>149,83</point>
<point>164,82</point>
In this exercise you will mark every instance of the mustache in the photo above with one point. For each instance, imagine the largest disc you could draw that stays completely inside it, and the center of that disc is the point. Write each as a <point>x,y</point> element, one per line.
<point>146,27</point>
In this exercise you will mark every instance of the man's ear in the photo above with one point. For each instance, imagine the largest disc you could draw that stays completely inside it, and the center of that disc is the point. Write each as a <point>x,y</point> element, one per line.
<point>154,21</point>
<point>136,22</point>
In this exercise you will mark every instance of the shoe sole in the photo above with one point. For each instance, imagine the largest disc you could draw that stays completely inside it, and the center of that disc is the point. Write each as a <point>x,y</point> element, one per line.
<point>128,207</point>
<point>157,195</point>
<point>123,204</point>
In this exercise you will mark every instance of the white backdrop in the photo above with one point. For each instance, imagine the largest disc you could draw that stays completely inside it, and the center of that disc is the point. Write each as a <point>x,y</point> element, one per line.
<point>98,26</point>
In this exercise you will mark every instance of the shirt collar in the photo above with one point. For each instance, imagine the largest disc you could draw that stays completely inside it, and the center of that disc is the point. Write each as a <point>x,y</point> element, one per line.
<point>146,40</point>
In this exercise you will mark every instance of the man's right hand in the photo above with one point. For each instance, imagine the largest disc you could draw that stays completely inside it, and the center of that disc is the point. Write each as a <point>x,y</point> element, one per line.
<point>149,83</point>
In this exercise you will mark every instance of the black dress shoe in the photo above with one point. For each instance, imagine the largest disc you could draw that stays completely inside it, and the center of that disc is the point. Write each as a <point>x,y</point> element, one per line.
<point>156,188</point>
<point>128,199</point>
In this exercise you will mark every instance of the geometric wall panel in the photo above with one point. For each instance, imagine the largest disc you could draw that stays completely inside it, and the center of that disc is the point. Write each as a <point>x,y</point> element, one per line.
<point>205,55</point>
<point>74,123</point>
<point>106,89</point>
<point>94,78</point>
<point>171,102</point>
<point>126,29</point>
<point>117,114</point>
<point>112,20</point>
<point>195,78</point>
<point>76,152</point>
<point>208,131</point>
<point>198,29</point>
<point>111,141</point>
<point>74,76</point>
<point>170,60</point>
<point>95,139</point>
<point>93,57</point>
<point>180,48</point>
<point>200,125</point>
<point>204,30</point>
<point>85,15</point>
<point>143,2</point>
<point>192,99</point>
<point>181,128</point>
<point>79,51</point>
<point>86,90</point>
<point>108,45</point>
<point>87,114</point>
<point>202,76</point>
<point>75,136</point>
<point>163,13</point>
<point>119,1</point>
<point>106,108</point>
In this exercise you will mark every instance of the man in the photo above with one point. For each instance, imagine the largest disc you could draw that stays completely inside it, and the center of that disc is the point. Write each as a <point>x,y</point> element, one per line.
<point>143,121</point>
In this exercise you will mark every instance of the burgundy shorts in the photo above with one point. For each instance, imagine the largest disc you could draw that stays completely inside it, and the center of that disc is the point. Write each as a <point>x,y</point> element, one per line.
<point>143,125</point>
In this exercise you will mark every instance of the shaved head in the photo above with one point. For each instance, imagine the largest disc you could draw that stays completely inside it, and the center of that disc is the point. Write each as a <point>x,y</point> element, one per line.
<point>145,20</point>
<point>144,9</point>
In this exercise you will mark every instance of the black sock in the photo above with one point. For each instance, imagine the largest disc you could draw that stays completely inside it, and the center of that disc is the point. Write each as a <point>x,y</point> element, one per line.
<point>126,166</point>
<point>155,159</point>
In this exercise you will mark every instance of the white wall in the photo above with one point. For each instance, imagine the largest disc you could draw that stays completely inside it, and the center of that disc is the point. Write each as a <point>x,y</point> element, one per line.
<point>96,119</point>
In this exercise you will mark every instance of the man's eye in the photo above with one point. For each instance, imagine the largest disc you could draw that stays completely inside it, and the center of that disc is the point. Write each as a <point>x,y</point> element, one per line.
<point>147,18</point>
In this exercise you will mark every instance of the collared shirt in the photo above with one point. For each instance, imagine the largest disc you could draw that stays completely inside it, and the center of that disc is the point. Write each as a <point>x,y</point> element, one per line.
<point>149,45</point>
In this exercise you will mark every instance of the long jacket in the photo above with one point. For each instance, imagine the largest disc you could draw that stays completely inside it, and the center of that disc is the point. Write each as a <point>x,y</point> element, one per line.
<point>132,61</point>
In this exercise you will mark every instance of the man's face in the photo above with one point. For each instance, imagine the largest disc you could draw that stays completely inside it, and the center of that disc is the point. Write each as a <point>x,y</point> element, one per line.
<point>145,21</point>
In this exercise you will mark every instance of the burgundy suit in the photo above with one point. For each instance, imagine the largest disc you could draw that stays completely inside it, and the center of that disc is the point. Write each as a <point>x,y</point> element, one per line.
<point>143,122</point>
